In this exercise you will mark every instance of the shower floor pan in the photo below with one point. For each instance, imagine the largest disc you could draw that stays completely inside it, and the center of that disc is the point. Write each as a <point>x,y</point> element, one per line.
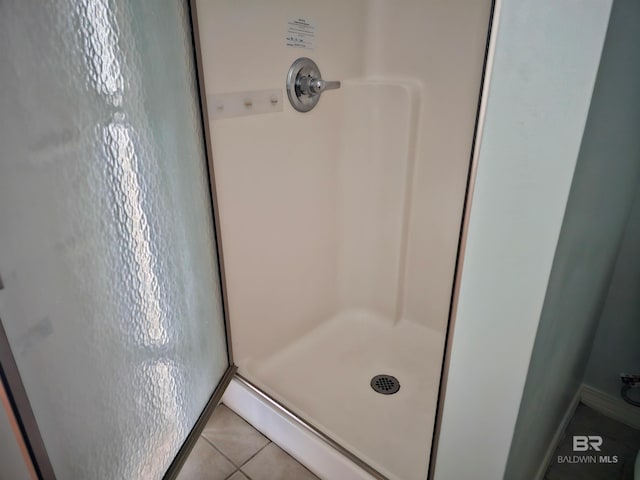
<point>324,377</point>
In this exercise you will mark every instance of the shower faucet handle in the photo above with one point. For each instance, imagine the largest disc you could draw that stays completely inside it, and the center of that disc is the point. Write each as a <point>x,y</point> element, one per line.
<point>315,86</point>
<point>305,84</point>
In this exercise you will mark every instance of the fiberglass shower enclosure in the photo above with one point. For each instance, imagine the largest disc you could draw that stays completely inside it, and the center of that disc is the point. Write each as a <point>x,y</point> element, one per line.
<point>339,225</point>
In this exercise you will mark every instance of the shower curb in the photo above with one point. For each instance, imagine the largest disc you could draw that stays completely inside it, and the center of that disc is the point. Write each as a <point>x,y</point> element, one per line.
<point>291,435</point>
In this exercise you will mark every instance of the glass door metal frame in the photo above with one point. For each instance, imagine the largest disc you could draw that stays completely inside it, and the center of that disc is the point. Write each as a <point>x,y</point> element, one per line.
<point>228,375</point>
<point>464,230</point>
<point>18,410</point>
<point>12,392</point>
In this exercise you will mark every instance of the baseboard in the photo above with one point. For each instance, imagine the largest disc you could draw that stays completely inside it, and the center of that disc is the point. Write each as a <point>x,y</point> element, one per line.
<point>557,436</point>
<point>612,406</point>
<point>291,435</point>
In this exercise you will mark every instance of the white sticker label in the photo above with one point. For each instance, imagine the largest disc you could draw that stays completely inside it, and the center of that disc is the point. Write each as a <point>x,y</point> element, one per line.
<point>301,33</point>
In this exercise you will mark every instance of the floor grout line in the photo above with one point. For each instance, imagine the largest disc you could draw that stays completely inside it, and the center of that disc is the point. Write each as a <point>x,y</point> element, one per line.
<point>232,474</point>
<point>245,474</point>
<point>239,468</point>
<point>285,452</point>
<point>218,450</point>
<point>245,421</point>
<point>251,457</point>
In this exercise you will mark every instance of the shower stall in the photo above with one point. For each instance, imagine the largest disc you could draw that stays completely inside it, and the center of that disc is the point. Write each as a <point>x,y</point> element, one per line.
<point>340,225</point>
<point>171,208</point>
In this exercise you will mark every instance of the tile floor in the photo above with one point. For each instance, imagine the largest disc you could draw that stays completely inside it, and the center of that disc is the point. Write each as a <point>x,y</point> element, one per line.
<point>618,439</point>
<point>231,449</point>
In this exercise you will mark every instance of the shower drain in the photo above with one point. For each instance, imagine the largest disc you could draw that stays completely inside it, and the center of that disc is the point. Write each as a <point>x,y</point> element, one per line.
<point>385,384</point>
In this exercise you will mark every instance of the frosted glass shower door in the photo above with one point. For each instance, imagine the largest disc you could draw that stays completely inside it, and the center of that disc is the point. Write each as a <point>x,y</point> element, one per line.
<point>111,300</point>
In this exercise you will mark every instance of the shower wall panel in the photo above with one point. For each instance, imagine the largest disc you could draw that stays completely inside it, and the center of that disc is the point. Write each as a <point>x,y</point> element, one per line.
<point>440,45</point>
<point>277,173</point>
<point>358,203</point>
<point>375,164</point>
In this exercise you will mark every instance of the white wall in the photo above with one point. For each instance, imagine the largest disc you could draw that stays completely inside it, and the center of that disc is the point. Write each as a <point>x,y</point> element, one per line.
<point>602,194</point>
<point>544,66</point>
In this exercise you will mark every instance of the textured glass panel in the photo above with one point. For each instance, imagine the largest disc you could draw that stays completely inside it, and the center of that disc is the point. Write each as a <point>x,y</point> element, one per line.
<point>111,299</point>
